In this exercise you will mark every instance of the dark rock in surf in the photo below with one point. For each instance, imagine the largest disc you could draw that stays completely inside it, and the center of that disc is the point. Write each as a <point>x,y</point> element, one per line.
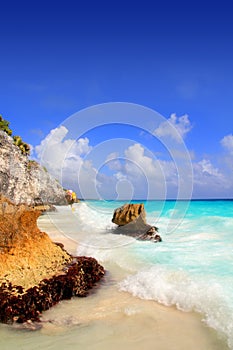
<point>131,221</point>
<point>152,235</point>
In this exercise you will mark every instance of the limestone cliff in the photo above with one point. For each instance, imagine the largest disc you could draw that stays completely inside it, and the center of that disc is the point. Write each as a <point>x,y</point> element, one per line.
<point>25,181</point>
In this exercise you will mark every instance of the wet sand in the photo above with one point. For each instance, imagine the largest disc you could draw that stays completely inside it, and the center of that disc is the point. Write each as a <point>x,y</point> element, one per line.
<point>108,318</point>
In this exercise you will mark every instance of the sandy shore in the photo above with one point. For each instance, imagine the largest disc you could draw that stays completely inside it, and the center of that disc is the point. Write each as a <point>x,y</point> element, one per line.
<point>116,319</point>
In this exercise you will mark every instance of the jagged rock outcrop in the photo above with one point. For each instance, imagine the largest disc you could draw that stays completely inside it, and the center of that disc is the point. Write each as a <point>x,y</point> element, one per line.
<point>131,221</point>
<point>128,213</point>
<point>36,273</point>
<point>25,181</point>
<point>22,244</point>
<point>151,235</point>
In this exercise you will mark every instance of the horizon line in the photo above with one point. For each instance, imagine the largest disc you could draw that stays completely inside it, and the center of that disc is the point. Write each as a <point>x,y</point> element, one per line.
<point>168,199</point>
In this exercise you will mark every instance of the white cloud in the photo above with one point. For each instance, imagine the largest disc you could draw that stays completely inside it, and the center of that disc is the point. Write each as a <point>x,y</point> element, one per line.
<point>113,161</point>
<point>209,181</point>
<point>227,143</point>
<point>175,127</point>
<point>149,177</point>
<point>138,162</point>
<point>62,157</point>
<point>207,168</point>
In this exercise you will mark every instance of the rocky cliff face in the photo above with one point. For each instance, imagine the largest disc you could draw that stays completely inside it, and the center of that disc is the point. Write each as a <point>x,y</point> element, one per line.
<point>25,181</point>
<point>36,273</point>
<point>24,247</point>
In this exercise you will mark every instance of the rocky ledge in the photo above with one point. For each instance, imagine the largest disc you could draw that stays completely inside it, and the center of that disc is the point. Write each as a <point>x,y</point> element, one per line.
<point>36,273</point>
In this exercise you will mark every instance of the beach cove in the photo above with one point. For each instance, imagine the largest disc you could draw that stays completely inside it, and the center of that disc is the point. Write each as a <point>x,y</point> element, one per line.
<point>111,316</point>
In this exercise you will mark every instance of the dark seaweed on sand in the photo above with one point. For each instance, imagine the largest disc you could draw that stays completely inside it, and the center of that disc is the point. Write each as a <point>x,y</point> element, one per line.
<point>18,305</point>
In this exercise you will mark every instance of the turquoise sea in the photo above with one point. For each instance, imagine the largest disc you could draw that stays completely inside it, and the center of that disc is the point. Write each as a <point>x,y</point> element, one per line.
<point>191,270</point>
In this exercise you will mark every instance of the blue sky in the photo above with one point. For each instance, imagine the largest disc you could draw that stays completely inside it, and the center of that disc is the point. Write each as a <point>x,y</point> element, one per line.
<point>174,57</point>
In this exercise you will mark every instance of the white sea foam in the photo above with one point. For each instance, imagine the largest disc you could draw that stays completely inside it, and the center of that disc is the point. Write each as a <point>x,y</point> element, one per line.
<point>177,288</point>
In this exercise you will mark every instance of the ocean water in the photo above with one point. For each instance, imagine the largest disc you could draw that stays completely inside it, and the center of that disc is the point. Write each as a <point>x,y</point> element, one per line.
<point>191,269</point>
<point>189,273</point>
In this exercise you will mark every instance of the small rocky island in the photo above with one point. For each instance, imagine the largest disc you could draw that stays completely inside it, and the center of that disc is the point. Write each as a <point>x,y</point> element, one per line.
<point>35,273</point>
<point>131,221</point>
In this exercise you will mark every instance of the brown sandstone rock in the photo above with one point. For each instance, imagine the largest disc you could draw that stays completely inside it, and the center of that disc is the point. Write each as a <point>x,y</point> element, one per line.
<point>131,221</point>
<point>36,273</point>
<point>27,255</point>
<point>129,212</point>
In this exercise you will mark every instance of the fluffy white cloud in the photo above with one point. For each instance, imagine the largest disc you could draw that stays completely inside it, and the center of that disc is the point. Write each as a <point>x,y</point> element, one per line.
<point>63,157</point>
<point>142,173</point>
<point>164,177</point>
<point>138,162</point>
<point>209,181</point>
<point>54,150</point>
<point>175,127</point>
<point>227,143</point>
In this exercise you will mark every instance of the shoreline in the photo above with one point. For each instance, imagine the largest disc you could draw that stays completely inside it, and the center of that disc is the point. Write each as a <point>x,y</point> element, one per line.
<point>108,308</point>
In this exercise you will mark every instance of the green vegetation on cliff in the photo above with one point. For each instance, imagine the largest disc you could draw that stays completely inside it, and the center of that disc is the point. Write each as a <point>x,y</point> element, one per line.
<point>4,126</point>
<point>24,147</point>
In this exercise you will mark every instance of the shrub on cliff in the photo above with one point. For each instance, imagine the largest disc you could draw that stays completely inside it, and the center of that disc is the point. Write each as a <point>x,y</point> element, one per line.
<point>24,147</point>
<point>4,126</point>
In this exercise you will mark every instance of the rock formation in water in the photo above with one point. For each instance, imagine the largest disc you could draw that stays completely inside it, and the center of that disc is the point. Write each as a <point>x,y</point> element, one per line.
<point>128,213</point>
<point>23,180</point>
<point>131,221</point>
<point>36,273</point>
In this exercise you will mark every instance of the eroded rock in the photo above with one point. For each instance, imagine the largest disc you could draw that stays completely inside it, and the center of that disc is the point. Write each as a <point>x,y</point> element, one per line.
<point>128,213</point>
<point>36,273</point>
<point>131,221</point>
